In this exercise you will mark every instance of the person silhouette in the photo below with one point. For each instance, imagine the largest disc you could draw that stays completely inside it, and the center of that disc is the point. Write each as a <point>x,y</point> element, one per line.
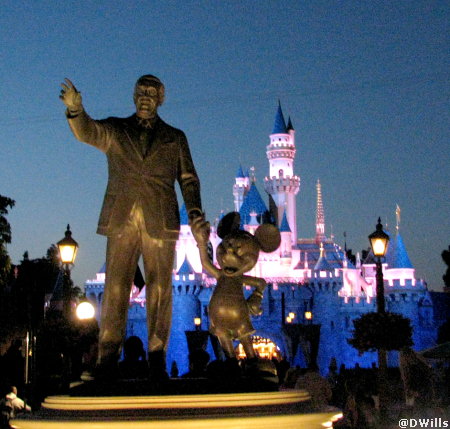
<point>134,364</point>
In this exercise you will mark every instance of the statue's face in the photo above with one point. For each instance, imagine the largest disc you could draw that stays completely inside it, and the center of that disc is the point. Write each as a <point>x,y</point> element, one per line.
<point>147,99</point>
<point>237,254</point>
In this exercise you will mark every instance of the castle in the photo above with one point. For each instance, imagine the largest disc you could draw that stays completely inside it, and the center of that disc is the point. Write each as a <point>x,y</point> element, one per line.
<point>314,291</point>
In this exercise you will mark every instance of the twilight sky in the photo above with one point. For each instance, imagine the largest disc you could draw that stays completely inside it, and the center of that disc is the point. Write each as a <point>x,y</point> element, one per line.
<point>366,85</point>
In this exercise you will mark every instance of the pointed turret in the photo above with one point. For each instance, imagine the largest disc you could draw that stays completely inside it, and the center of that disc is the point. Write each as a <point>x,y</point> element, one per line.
<point>240,188</point>
<point>184,219</point>
<point>289,125</point>
<point>322,264</point>
<point>286,242</point>
<point>186,268</point>
<point>279,126</point>
<point>252,203</point>
<point>284,226</point>
<point>397,256</point>
<point>320,216</point>
<point>281,183</point>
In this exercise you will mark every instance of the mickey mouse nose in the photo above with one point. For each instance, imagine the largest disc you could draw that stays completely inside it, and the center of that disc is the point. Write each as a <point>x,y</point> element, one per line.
<point>229,246</point>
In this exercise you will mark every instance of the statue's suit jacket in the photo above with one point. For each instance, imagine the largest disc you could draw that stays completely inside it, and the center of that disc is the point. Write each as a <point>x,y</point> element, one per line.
<point>133,177</point>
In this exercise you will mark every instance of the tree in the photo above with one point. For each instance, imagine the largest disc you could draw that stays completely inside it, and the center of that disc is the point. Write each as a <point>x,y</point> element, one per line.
<point>6,309</point>
<point>5,238</point>
<point>22,305</point>
<point>446,277</point>
<point>387,331</point>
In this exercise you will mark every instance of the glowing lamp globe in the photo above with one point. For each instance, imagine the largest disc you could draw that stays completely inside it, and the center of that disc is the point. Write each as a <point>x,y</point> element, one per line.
<point>67,248</point>
<point>379,241</point>
<point>308,315</point>
<point>85,310</point>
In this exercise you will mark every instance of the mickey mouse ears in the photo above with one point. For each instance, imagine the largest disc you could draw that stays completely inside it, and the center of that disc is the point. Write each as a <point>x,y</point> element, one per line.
<point>228,224</point>
<point>267,235</point>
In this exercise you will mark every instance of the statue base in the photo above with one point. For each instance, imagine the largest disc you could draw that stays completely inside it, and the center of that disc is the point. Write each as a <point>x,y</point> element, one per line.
<point>286,409</point>
<point>177,404</point>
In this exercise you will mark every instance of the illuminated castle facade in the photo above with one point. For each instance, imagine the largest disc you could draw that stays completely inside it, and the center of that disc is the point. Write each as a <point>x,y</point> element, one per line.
<point>314,291</point>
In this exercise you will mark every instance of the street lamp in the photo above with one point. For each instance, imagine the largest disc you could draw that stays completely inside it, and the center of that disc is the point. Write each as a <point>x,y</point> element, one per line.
<point>85,310</point>
<point>68,248</point>
<point>67,253</point>
<point>198,323</point>
<point>379,241</point>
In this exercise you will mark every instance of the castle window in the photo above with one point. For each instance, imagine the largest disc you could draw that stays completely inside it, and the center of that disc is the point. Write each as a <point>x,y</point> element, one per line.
<point>281,172</point>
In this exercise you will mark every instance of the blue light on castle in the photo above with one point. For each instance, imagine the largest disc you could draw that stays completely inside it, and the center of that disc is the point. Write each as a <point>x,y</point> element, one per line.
<point>309,279</point>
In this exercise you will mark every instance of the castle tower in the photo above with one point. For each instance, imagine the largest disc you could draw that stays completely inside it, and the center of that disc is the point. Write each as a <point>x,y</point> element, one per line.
<point>187,285</point>
<point>320,216</point>
<point>240,188</point>
<point>286,242</point>
<point>281,184</point>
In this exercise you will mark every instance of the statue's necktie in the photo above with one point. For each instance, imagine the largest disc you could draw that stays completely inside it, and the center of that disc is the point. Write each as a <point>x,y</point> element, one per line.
<point>146,140</point>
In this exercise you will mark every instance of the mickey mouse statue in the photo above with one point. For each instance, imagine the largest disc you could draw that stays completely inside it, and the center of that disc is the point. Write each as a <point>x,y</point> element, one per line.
<point>229,311</point>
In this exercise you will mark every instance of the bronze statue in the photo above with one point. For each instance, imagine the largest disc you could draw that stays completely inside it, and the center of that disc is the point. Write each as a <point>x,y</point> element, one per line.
<point>140,213</point>
<point>229,311</point>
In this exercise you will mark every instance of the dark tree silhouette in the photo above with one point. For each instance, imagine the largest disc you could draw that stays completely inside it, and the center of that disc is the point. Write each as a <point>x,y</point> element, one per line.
<point>5,238</point>
<point>446,257</point>
<point>370,330</point>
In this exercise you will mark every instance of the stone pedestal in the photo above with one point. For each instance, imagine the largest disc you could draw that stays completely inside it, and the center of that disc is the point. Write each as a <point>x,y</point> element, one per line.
<point>280,409</point>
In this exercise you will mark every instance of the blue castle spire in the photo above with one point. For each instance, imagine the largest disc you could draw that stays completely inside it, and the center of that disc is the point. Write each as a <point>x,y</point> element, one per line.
<point>186,268</point>
<point>280,124</point>
<point>322,264</point>
<point>184,220</point>
<point>397,256</point>
<point>284,227</point>
<point>240,173</point>
<point>252,203</point>
<point>289,125</point>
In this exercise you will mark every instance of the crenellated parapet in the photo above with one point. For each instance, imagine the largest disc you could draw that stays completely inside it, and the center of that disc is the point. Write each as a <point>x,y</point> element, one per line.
<point>404,297</point>
<point>94,292</point>
<point>358,303</point>
<point>187,284</point>
<point>285,184</point>
<point>405,284</point>
<point>325,286</point>
<point>187,288</point>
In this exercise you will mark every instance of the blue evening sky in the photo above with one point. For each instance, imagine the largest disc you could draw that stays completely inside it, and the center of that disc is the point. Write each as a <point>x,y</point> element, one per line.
<point>366,84</point>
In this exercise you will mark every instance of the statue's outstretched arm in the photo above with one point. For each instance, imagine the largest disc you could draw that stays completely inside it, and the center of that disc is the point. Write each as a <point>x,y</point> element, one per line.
<point>84,128</point>
<point>200,230</point>
<point>71,97</point>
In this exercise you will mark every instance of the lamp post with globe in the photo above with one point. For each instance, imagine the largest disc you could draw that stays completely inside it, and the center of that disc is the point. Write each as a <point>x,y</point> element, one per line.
<point>68,248</point>
<point>379,241</point>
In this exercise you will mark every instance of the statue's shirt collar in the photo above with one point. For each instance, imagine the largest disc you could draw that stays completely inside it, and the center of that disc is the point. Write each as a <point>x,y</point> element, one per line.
<point>146,123</point>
